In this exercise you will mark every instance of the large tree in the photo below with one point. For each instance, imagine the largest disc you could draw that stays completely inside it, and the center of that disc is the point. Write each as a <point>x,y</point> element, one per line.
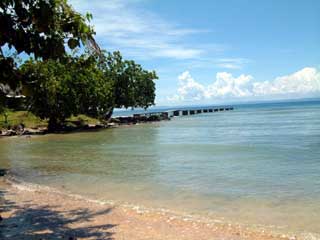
<point>86,85</point>
<point>60,90</point>
<point>40,28</point>
<point>57,82</point>
<point>132,85</point>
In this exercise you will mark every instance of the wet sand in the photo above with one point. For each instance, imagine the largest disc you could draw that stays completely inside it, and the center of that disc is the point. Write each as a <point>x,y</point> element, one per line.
<point>41,214</point>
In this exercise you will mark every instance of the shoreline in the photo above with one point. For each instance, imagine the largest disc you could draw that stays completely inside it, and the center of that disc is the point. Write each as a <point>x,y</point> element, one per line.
<point>117,121</point>
<point>75,217</point>
<point>88,128</point>
<point>40,131</point>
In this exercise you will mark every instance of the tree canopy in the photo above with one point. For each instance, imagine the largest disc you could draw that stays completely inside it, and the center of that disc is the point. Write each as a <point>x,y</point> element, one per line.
<point>57,82</point>
<point>84,85</point>
<point>40,28</point>
<point>133,86</point>
<point>60,90</point>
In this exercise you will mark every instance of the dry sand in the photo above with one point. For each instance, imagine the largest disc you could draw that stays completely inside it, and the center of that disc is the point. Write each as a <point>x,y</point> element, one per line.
<point>41,214</point>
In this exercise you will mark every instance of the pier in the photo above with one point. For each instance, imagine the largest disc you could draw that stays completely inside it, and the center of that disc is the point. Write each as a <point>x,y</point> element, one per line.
<point>184,112</point>
<point>167,115</point>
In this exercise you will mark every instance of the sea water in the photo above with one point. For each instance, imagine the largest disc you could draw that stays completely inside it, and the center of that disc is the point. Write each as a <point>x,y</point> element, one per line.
<point>258,164</point>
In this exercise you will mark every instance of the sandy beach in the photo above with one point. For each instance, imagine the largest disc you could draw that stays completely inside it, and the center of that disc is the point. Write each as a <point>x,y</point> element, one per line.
<point>41,214</point>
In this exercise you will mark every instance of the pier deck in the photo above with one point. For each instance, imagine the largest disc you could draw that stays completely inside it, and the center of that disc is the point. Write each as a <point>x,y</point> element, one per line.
<point>181,112</point>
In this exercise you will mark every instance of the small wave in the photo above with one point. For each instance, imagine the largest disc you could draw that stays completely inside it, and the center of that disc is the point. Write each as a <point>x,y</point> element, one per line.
<point>33,187</point>
<point>171,214</point>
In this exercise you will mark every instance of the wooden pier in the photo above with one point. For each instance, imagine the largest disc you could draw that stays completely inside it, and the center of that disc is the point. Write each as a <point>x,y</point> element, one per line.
<point>166,115</point>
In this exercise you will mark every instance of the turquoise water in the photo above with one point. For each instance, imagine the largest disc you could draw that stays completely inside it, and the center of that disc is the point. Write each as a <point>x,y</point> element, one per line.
<point>258,164</point>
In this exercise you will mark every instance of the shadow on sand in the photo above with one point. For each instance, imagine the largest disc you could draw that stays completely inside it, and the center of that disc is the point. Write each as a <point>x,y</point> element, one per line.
<point>43,222</point>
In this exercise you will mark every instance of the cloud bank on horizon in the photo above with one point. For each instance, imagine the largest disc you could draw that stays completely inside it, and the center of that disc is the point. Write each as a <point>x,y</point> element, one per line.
<point>305,82</point>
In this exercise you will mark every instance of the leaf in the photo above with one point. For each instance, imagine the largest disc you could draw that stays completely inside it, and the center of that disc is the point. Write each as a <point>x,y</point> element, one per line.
<point>73,43</point>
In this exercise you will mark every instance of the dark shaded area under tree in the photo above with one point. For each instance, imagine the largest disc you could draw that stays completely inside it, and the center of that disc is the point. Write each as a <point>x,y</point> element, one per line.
<point>41,222</point>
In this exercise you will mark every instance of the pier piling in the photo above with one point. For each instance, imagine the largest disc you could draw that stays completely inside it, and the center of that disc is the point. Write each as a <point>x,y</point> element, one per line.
<point>167,115</point>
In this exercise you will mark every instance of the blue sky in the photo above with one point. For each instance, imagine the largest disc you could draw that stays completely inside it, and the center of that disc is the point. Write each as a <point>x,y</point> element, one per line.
<point>212,51</point>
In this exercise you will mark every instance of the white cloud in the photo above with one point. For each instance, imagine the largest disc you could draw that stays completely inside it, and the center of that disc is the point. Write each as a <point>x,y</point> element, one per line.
<point>299,84</point>
<point>304,81</point>
<point>120,24</point>
<point>189,87</point>
<point>231,63</point>
<point>228,86</point>
<point>221,63</point>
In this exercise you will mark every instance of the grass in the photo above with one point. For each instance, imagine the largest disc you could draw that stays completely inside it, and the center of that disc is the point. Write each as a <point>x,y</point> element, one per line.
<point>83,118</point>
<point>21,117</point>
<point>31,121</point>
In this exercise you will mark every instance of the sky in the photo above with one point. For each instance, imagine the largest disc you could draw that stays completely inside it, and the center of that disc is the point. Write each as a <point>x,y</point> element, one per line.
<point>211,51</point>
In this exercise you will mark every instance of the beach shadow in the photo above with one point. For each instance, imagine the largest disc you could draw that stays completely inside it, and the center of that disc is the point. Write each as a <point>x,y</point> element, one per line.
<point>28,221</point>
<point>5,205</point>
<point>3,172</point>
<point>46,223</point>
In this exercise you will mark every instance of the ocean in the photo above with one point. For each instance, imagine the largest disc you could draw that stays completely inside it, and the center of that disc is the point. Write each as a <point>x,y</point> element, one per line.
<point>258,165</point>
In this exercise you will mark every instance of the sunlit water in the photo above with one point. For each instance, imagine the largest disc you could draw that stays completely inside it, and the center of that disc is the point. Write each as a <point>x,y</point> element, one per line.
<point>258,164</point>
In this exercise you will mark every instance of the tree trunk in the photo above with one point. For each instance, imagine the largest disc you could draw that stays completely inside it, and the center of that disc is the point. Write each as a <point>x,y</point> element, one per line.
<point>5,118</point>
<point>109,114</point>
<point>53,125</point>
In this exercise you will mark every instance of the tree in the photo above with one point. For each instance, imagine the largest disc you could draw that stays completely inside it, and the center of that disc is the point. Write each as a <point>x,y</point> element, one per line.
<point>60,90</point>
<point>132,85</point>
<point>60,84</point>
<point>85,85</point>
<point>9,74</point>
<point>3,108</point>
<point>40,28</point>
<point>2,101</point>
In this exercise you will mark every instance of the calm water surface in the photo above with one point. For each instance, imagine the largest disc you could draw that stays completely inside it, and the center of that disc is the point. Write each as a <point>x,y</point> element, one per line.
<point>259,164</point>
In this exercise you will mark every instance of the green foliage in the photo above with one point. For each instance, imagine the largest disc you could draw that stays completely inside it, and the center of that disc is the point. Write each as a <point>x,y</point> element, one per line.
<point>133,86</point>
<point>15,118</point>
<point>40,28</point>
<point>59,85</point>
<point>29,120</point>
<point>61,90</point>
<point>9,73</point>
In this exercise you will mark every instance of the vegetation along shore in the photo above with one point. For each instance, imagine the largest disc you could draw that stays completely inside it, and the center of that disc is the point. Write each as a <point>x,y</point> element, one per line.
<point>66,73</point>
